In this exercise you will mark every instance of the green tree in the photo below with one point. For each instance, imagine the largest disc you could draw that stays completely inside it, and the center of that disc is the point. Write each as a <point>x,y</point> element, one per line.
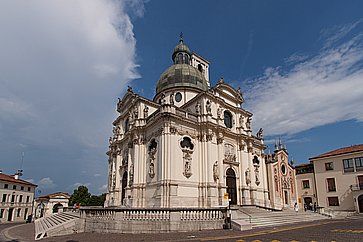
<point>97,200</point>
<point>80,195</point>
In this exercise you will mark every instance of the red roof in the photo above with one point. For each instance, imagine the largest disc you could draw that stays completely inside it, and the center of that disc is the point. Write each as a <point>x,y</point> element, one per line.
<point>7,178</point>
<point>341,151</point>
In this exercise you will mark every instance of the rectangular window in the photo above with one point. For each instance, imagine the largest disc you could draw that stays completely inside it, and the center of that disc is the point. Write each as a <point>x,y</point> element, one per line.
<point>18,214</point>
<point>4,198</point>
<point>14,187</point>
<point>306,184</point>
<point>20,198</point>
<point>25,213</point>
<point>12,198</point>
<point>331,184</point>
<point>6,186</point>
<point>359,164</point>
<point>329,166</point>
<point>28,189</point>
<point>22,188</point>
<point>333,201</point>
<point>348,165</point>
<point>27,199</point>
<point>2,213</point>
<point>360,182</point>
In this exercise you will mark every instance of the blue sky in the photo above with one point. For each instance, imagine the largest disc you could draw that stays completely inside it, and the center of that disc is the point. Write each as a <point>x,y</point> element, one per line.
<point>64,63</point>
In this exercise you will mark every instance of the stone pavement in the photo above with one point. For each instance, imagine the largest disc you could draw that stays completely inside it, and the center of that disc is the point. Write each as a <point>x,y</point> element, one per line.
<point>332,230</point>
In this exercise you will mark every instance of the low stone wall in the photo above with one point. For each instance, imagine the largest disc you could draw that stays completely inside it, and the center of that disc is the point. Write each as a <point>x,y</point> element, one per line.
<point>126,220</point>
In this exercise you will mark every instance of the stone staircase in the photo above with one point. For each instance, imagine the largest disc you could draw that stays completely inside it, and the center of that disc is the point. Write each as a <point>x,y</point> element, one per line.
<point>254,217</point>
<point>56,224</point>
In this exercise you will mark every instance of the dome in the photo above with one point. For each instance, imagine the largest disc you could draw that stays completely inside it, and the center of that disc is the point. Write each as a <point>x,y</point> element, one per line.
<point>181,75</point>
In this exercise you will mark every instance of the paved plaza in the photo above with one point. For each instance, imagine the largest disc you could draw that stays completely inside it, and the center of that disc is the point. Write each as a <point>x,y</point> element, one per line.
<point>333,230</point>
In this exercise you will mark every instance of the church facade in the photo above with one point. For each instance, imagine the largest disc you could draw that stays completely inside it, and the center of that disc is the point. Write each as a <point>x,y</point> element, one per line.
<point>189,146</point>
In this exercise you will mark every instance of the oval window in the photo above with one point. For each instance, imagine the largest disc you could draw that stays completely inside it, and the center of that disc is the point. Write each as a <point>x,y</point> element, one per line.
<point>178,97</point>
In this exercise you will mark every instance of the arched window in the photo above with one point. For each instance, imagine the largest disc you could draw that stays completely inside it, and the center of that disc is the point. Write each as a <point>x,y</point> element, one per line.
<point>187,143</point>
<point>200,68</point>
<point>228,119</point>
<point>186,59</point>
<point>180,58</point>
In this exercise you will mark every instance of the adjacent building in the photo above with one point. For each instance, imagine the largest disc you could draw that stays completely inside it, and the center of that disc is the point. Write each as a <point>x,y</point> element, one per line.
<point>46,205</point>
<point>339,178</point>
<point>16,198</point>
<point>187,147</point>
<point>281,178</point>
<point>306,186</point>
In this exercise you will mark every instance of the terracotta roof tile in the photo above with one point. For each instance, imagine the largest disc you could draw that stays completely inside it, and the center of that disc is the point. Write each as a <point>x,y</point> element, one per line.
<point>341,151</point>
<point>8,178</point>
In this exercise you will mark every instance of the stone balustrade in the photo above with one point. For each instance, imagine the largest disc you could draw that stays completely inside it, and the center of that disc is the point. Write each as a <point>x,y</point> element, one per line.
<point>153,220</point>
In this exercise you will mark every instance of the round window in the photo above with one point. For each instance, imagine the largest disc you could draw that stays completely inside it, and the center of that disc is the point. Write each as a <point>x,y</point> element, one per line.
<point>178,97</point>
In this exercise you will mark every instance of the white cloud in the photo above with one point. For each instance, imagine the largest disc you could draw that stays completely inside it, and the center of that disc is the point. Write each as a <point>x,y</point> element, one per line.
<point>62,66</point>
<point>46,183</point>
<point>320,90</point>
<point>103,188</point>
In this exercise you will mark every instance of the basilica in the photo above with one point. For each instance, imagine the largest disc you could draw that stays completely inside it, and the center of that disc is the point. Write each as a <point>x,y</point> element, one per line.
<point>191,146</point>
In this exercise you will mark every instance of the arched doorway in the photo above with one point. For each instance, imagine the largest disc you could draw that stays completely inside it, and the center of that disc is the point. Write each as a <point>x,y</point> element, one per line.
<point>360,203</point>
<point>58,207</point>
<point>231,185</point>
<point>123,187</point>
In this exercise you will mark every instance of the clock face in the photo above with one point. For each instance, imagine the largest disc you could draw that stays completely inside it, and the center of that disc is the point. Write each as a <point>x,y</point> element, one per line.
<point>178,97</point>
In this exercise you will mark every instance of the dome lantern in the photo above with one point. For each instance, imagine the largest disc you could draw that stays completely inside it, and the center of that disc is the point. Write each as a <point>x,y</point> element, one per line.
<point>181,53</point>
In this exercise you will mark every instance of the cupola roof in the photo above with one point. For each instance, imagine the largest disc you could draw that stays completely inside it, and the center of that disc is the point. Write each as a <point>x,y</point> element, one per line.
<point>182,73</point>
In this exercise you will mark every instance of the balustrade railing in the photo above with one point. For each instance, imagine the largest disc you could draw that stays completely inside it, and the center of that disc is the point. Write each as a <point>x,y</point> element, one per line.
<point>163,214</point>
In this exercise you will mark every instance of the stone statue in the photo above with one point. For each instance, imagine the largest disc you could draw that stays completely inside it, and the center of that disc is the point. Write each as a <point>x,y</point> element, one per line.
<point>248,176</point>
<point>110,140</point>
<point>248,123</point>
<point>241,121</point>
<point>151,170</point>
<point>260,133</point>
<point>162,100</point>
<point>197,108</point>
<point>129,88</point>
<point>136,113</point>
<point>208,107</point>
<point>187,164</point>
<point>215,171</point>
<point>146,111</point>
<point>257,176</point>
<point>171,99</point>
<point>131,174</point>
<point>219,112</point>
<point>239,90</point>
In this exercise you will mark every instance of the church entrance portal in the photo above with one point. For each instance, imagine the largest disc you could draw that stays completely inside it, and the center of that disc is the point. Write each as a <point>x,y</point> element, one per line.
<point>231,185</point>
<point>360,203</point>
<point>123,186</point>
<point>286,196</point>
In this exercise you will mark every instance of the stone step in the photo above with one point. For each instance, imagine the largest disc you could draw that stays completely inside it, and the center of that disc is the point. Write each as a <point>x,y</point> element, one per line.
<point>51,224</point>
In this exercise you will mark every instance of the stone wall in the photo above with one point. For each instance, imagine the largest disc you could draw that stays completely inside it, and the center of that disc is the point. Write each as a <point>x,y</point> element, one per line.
<point>124,220</point>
